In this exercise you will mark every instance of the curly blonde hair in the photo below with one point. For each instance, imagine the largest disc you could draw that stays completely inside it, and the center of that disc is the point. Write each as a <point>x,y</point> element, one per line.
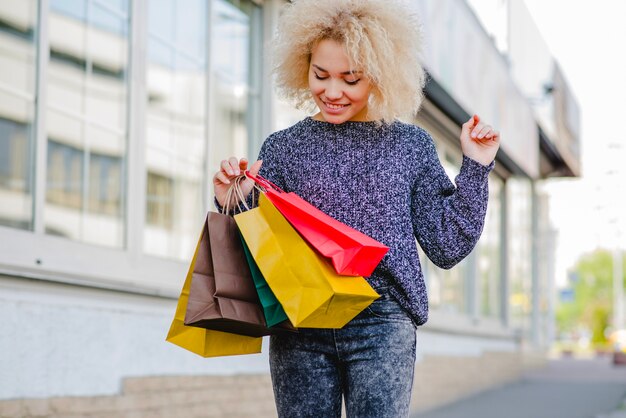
<point>382,38</point>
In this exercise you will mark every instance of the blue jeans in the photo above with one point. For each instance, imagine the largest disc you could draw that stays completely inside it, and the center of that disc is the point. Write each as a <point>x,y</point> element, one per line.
<point>370,361</point>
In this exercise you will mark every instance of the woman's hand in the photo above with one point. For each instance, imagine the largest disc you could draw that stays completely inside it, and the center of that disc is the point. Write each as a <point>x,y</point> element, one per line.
<point>229,169</point>
<point>479,142</point>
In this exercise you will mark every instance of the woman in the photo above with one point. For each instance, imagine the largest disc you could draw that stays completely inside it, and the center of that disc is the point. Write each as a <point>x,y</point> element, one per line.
<point>357,62</point>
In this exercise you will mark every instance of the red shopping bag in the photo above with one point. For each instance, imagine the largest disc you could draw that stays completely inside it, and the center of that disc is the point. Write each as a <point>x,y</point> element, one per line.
<point>351,252</point>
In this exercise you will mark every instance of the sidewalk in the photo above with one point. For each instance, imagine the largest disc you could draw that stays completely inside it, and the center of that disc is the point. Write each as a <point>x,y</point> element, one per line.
<point>566,388</point>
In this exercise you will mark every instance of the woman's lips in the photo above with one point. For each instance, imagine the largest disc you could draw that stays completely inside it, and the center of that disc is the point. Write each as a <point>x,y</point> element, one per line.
<point>334,107</point>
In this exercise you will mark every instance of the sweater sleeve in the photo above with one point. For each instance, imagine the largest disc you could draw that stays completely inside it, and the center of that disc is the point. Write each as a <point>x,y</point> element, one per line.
<point>272,155</point>
<point>448,220</point>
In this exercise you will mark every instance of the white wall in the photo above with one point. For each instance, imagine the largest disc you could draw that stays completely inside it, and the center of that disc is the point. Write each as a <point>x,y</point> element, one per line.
<point>66,340</point>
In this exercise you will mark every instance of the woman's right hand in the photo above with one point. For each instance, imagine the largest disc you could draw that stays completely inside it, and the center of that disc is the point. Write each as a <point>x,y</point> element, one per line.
<point>229,169</point>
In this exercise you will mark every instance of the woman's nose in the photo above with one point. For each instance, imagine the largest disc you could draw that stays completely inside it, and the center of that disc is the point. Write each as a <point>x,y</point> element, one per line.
<point>333,91</point>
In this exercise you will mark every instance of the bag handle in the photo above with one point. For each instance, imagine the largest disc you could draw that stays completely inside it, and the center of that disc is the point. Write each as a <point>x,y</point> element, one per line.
<point>263,182</point>
<point>234,191</point>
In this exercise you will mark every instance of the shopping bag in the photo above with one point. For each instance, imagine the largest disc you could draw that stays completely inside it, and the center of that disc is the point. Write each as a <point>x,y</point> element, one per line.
<point>272,309</point>
<point>222,295</point>
<point>203,342</point>
<point>312,294</point>
<point>351,252</point>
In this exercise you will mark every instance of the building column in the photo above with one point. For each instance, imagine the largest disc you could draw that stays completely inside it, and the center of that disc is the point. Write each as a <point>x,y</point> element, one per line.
<point>535,329</point>
<point>40,144</point>
<point>504,256</point>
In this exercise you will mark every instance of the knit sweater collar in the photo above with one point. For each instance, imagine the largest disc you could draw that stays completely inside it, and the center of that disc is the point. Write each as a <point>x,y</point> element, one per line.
<point>345,126</point>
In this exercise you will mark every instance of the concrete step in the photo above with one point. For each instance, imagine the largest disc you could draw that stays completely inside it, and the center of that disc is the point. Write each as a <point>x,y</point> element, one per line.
<point>438,380</point>
<point>213,401</point>
<point>166,383</point>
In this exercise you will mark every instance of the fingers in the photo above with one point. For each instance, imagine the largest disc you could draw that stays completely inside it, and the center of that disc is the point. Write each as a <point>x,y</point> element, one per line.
<point>229,169</point>
<point>474,129</point>
<point>468,126</point>
<point>231,166</point>
<point>482,131</point>
<point>254,169</point>
<point>478,130</point>
<point>472,122</point>
<point>220,177</point>
<point>486,132</point>
<point>234,166</point>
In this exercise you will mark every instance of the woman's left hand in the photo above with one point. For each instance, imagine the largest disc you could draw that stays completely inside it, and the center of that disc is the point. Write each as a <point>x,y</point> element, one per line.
<point>479,142</point>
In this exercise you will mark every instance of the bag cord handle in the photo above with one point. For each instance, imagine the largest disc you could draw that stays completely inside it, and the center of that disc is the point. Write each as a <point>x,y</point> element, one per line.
<point>236,194</point>
<point>263,182</point>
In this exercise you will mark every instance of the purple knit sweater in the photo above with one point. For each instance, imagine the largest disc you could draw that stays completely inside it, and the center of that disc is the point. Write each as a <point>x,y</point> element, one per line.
<point>387,182</point>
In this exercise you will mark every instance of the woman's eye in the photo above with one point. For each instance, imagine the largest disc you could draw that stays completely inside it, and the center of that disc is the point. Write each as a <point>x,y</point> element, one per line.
<point>352,83</point>
<point>320,78</point>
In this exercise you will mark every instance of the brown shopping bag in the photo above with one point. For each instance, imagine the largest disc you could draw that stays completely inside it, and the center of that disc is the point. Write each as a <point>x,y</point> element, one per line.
<point>312,294</point>
<point>222,295</point>
<point>206,343</point>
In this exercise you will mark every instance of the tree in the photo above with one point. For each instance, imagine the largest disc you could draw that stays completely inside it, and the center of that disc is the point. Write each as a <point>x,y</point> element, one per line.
<point>592,305</point>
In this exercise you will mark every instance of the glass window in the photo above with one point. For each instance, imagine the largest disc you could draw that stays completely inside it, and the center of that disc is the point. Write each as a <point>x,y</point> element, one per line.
<point>18,59</point>
<point>488,253</point>
<point>234,93</point>
<point>177,150</point>
<point>518,193</point>
<point>546,242</point>
<point>87,120</point>
<point>447,289</point>
<point>175,130</point>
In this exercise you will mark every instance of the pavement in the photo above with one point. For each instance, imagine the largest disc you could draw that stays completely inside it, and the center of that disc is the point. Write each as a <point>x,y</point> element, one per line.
<point>564,388</point>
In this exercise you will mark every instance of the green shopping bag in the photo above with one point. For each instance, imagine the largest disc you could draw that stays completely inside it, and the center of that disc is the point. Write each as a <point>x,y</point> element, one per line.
<point>272,309</point>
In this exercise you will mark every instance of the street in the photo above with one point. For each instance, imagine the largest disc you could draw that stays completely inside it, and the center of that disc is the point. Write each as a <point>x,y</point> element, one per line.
<point>565,388</point>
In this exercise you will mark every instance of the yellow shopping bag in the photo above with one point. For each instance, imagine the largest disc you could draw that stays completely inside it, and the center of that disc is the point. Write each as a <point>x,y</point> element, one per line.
<point>312,294</point>
<point>206,343</point>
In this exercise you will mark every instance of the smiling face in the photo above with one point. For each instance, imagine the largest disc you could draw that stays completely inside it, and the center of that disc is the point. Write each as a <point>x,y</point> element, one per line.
<point>340,92</point>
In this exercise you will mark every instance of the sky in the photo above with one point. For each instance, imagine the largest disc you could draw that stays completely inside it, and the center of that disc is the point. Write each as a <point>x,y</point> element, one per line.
<point>588,40</point>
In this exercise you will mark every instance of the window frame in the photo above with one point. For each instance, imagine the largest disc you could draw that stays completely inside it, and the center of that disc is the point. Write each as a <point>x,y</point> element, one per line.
<point>33,254</point>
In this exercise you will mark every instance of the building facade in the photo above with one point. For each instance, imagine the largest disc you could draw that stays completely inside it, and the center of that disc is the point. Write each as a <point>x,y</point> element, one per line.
<point>113,116</point>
